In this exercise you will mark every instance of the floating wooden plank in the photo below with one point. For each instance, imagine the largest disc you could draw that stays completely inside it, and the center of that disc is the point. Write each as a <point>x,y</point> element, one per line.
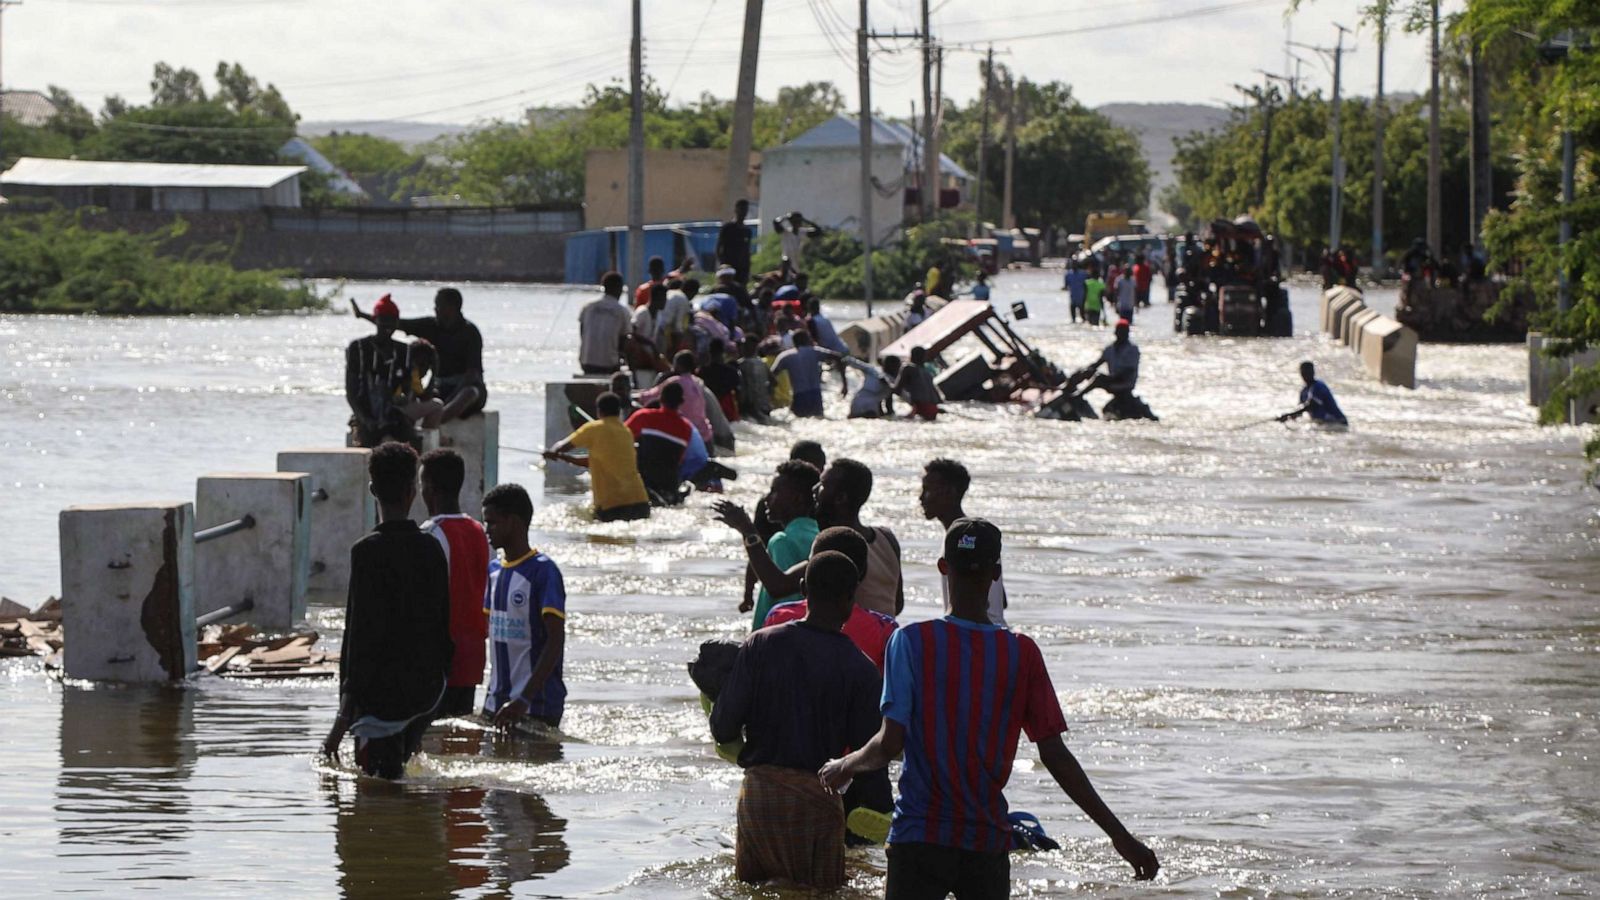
<point>221,659</point>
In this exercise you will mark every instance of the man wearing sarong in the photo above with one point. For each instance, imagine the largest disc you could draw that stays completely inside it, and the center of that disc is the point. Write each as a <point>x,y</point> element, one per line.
<point>797,693</point>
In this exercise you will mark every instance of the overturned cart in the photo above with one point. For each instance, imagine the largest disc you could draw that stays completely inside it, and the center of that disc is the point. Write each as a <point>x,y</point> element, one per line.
<point>996,366</point>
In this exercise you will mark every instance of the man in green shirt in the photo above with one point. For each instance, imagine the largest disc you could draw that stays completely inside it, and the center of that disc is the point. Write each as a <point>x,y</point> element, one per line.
<point>791,503</point>
<point>1093,296</point>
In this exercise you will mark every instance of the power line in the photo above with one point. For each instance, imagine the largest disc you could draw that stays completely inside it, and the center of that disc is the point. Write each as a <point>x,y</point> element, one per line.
<point>1112,26</point>
<point>692,41</point>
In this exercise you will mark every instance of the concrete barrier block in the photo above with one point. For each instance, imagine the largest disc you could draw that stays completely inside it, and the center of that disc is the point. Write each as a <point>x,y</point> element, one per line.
<point>1389,351</point>
<point>477,439</point>
<point>127,592</point>
<point>1342,311</point>
<point>270,563</point>
<point>1358,328</point>
<point>1334,303</point>
<point>342,511</point>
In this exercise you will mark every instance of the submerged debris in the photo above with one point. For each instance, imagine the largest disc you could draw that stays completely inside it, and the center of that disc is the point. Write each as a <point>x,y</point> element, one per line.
<point>35,633</point>
<point>237,651</point>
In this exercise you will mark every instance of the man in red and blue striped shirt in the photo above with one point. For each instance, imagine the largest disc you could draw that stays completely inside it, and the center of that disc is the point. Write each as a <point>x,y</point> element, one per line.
<point>957,694</point>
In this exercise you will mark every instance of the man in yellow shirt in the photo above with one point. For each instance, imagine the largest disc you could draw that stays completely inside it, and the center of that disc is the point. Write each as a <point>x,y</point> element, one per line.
<point>614,480</point>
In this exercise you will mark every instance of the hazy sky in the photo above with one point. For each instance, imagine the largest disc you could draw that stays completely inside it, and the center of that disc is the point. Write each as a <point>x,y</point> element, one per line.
<point>422,60</point>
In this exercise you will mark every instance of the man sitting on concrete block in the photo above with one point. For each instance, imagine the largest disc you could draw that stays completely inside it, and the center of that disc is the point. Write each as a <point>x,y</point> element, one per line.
<point>395,660</point>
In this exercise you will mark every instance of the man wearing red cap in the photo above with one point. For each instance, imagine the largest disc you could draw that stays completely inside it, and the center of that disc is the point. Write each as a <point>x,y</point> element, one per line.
<point>459,377</point>
<point>377,381</point>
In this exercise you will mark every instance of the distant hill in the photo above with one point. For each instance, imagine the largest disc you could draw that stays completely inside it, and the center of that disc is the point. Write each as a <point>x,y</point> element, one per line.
<point>408,133</point>
<point>1157,124</point>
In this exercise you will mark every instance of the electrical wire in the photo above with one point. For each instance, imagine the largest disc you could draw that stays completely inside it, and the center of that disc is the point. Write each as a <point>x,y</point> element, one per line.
<point>692,41</point>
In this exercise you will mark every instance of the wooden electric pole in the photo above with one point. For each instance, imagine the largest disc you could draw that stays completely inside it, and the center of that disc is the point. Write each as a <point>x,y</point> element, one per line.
<point>983,133</point>
<point>864,128</point>
<point>1007,221</point>
<point>1435,238</point>
<point>1380,265</point>
<point>1481,176</point>
<point>930,159</point>
<point>744,106</point>
<point>635,271</point>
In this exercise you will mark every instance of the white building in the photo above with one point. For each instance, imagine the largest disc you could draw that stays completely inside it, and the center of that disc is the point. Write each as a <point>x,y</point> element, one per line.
<point>152,186</point>
<point>819,175</point>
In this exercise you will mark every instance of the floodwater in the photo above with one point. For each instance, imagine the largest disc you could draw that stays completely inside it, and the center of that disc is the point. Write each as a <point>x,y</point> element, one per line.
<point>1297,663</point>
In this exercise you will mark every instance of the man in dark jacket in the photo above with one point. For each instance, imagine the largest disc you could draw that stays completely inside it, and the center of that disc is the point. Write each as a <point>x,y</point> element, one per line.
<point>396,654</point>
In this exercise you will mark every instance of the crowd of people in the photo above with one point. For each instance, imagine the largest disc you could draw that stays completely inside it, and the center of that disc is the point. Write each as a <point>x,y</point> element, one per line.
<point>828,688</point>
<point>1123,282</point>
<point>830,685</point>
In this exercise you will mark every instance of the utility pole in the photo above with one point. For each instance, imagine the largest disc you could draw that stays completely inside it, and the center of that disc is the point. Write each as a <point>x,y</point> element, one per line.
<point>1380,265</point>
<point>1335,54</point>
<point>1269,95</point>
<point>1435,238</point>
<point>930,161</point>
<point>635,270</point>
<point>1336,213</point>
<point>983,133</point>
<point>934,150</point>
<point>864,126</point>
<point>1481,175</point>
<point>1007,220</point>
<point>744,106</point>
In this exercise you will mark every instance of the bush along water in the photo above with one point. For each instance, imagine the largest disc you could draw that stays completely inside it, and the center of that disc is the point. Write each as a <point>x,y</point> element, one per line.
<point>833,260</point>
<point>53,263</point>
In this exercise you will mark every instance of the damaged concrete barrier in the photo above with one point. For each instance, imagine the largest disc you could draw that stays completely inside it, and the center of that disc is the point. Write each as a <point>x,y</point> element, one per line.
<point>128,592</point>
<point>342,511</point>
<point>253,544</point>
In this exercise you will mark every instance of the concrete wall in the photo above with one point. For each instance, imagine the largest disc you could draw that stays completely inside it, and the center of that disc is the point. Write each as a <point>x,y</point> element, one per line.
<point>255,244</point>
<point>825,185</point>
<point>679,186</point>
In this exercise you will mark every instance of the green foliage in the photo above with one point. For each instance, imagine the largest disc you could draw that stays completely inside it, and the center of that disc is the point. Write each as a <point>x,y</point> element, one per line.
<point>242,123</point>
<point>1552,94</point>
<point>379,164</point>
<point>54,263</point>
<point>1217,172</point>
<point>1072,159</point>
<point>833,260</point>
<point>541,159</point>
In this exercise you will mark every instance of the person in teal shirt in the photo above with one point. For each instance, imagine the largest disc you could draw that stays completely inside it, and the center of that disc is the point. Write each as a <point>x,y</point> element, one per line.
<point>790,502</point>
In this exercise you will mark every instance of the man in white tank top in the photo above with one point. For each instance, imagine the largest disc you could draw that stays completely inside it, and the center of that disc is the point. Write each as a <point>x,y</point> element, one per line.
<point>944,485</point>
<point>843,490</point>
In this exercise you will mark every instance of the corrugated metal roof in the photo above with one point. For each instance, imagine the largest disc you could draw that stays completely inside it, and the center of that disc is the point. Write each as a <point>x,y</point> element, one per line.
<point>28,107</point>
<point>91,173</point>
<point>840,131</point>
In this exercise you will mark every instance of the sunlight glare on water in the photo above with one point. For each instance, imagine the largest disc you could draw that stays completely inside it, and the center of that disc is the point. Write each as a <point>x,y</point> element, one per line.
<point>1298,663</point>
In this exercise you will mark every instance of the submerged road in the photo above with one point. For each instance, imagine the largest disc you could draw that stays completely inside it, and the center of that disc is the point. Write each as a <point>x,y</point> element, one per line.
<point>1297,663</point>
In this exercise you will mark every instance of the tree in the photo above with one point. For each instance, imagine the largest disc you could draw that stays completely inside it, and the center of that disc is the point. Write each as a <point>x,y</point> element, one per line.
<point>1073,159</point>
<point>175,87</point>
<point>1217,172</point>
<point>241,124</point>
<point>1551,92</point>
